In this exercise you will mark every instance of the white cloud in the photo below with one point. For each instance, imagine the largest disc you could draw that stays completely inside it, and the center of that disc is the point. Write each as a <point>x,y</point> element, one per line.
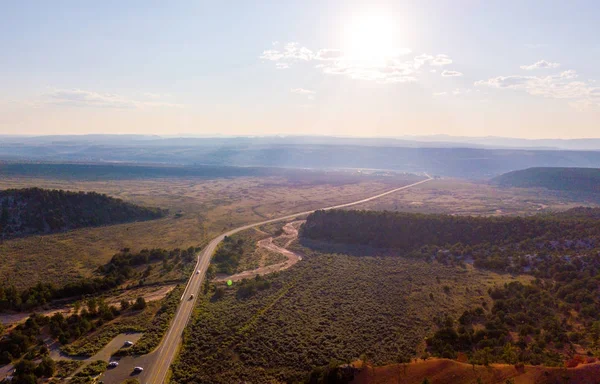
<point>437,60</point>
<point>451,73</point>
<point>329,54</point>
<point>393,68</point>
<point>388,71</point>
<point>461,91</point>
<point>83,98</point>
<point>302,91</point>
<point>310,94</point>
<point>560,86</point>
<point>290,52</point>
<point>542,64</point>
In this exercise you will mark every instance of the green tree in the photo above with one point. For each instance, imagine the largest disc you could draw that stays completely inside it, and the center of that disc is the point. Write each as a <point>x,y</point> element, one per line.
<point>140,303</point>
<point>125,304</point>
<point>46,368</point>
<point>510,354</point>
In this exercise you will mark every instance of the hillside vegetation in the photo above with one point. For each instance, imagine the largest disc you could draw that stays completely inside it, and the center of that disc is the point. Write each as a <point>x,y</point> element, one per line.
<point>327,307</point>
<point>40,211</point>
<point>564,179</point>
<point>410,231</point>
<point>554,320</point>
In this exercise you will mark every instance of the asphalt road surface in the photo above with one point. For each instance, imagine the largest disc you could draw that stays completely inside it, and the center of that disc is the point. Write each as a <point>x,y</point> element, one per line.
<point>158,363</point>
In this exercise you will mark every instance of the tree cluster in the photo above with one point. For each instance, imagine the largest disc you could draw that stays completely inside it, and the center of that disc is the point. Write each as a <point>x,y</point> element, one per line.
<point>40,211</point>
<point>411,231</point>
<point>117,271</point>
<point>227,256</point>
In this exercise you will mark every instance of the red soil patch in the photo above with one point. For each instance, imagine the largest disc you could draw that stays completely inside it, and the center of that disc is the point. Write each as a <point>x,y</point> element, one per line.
<point>439,371</point>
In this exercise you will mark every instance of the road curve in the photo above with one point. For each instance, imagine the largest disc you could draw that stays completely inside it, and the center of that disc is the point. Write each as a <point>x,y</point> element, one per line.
<point>158,365</point>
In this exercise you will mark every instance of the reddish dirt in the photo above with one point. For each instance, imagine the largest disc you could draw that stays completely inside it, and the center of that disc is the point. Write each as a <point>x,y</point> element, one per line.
<point>450,371</point>
<point>290,233</point>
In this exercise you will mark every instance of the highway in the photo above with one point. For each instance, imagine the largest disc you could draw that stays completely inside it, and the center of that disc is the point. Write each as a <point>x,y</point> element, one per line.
<point>158,363</point>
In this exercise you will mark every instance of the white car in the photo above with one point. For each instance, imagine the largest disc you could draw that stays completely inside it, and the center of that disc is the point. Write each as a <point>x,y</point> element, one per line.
<point>197,272</point>
<point>113,364</point>
<point>138,369</point>
<point>128,343</point>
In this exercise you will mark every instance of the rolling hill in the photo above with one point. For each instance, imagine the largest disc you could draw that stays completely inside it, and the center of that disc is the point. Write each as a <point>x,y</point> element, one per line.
<point>555,178</point>
<point>33,211</point>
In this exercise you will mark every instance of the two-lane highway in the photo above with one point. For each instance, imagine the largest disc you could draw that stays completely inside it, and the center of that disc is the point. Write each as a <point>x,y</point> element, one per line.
<point>159,361</point>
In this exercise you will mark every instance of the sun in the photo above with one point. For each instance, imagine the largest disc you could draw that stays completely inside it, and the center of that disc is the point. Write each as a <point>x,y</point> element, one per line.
<point>370,36</point>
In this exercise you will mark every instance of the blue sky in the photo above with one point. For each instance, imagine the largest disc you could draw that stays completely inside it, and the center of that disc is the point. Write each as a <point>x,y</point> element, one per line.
<point>462,67</point>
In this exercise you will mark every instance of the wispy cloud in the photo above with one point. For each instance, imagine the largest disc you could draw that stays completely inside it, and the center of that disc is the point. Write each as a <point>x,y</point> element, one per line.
<point>302,91</point>
<point>542,64</point>
<point>152,95</point>
<point>394,68</point>
<point>290,52</point>
<point>437,60</point>
<point>329,54</point>
<point>83,98</point>
<point>310,94</point>
<point>564,85</point>
<point>451,74</point>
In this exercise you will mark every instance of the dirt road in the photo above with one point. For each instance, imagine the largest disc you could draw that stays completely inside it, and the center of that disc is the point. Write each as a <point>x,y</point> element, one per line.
<point>290,233</point>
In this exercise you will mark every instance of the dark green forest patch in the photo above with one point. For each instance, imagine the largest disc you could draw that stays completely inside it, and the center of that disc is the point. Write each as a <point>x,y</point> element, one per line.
<point>32,211</point>
<point>554,178</point>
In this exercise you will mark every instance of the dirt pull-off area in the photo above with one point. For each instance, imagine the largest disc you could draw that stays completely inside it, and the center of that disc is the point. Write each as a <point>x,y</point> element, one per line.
<point>290,233</point>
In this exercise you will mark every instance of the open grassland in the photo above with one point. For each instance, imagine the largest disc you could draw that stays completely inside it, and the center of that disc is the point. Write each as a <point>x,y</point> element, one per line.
<point>327,307</point>
<point>199,209</point>
<point>462,197</point>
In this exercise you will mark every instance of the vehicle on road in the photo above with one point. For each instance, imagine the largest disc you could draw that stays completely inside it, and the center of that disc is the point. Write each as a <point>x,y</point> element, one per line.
<point>113,364</point>
<point>128,343</point>
<point>191,296</point>
<point>197,272</point>
<point>138,369</point>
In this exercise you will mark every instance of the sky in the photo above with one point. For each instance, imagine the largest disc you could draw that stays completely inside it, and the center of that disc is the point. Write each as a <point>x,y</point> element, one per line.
<point>507,68</point>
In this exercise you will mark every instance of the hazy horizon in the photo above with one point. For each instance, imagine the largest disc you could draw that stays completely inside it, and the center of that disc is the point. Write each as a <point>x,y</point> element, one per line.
<point>466,68</point>
<point>433,137</point>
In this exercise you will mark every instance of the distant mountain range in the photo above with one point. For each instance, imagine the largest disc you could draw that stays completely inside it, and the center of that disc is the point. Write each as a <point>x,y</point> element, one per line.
<point>466,157</point>
<point>425,141</point>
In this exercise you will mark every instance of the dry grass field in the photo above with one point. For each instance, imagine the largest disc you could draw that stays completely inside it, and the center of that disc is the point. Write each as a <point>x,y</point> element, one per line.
<point>199,210</point>
<point>463,197</point>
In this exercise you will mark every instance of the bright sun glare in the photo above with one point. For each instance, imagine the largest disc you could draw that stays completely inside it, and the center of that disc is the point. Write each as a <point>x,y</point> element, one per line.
<point>370,37</point>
